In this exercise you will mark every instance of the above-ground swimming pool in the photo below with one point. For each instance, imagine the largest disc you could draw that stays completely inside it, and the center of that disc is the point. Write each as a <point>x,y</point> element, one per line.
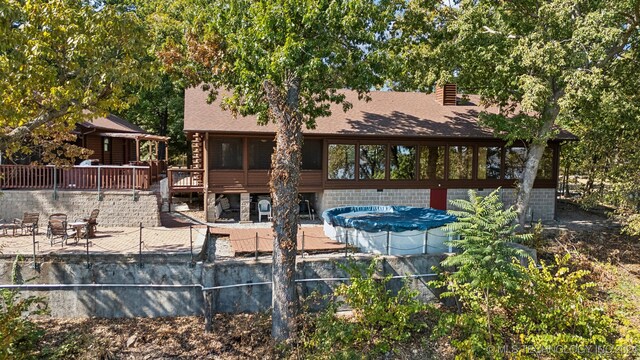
<point>391,230</point>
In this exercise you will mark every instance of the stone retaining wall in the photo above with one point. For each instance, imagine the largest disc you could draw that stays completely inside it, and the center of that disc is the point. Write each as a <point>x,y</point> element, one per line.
<point>117,208</point>
<point>118,301</point>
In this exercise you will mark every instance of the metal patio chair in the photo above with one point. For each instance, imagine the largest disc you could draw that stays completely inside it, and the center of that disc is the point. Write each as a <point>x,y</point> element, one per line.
<point>57,227</point>
<point>92,222</point>
<point>28,223</point>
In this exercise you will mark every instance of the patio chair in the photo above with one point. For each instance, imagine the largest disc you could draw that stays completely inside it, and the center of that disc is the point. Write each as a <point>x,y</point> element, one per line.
<point>306,210</point>
<point>264,209</point>
<point>92,222</point>
<point>57,227</point>
<point>28,223</point>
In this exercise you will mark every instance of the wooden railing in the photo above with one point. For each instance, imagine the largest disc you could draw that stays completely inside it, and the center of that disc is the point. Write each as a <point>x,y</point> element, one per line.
<point>185,180</point>
<point>28,177</point>
<point>156,167</point>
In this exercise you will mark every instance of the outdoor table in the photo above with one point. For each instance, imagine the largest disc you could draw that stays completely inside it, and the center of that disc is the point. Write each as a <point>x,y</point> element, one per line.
<point>11,226</point>
<point>78,226</point>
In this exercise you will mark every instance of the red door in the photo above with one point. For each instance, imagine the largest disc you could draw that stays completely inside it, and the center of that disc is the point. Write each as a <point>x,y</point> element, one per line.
<point>438,199</point>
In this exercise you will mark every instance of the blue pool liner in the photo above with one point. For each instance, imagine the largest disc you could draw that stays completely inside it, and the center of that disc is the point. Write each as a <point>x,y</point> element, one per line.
<point>377,218</point>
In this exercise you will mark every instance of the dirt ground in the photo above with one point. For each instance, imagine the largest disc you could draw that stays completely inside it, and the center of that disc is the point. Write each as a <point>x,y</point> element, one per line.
<point>593,241</point>
<point>241,336</point>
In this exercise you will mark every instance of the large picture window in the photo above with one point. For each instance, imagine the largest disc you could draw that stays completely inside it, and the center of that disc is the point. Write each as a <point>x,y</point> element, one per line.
<point>460,162</point>
<point>260,151</point>
<point>342,162</point>
<point>225,154</point>
<point>545,169</point>
<point>489,160</point>
<point>402,165</point>
<point>514,161</point>
<point>431,162</point>
<point>312,154</point>
<point>373,160</point>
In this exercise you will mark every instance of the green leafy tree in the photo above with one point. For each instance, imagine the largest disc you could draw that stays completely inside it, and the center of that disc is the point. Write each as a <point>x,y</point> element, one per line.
<point>160,110</point>
<point>285,62</point>
<point>485,267</point>
<point>535,60</point>
<point>58,59</point>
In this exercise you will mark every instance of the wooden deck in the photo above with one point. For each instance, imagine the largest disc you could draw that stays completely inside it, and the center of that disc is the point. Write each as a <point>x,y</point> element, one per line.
<point>243,240</point>
<point>36,177</point>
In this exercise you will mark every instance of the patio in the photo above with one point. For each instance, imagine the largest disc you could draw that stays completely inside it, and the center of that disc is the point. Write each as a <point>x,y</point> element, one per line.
<point>241,241</point>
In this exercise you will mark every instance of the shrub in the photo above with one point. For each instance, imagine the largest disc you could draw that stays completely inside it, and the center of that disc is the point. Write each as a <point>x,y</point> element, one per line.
<point>379,319</point>
<point>553,310</point>
<point>18,335</point>
<point>505,309</point>
<point>484,270</point>
<point>632,225</point>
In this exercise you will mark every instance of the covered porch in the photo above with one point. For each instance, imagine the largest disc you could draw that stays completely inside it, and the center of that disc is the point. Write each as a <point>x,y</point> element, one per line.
<point>149,145</point>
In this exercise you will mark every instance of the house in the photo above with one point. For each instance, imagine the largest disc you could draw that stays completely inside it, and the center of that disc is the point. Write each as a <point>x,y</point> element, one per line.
<point>115,141</point>
<point>400,148</point>
<point>117,147</point>
<point>123,181</point>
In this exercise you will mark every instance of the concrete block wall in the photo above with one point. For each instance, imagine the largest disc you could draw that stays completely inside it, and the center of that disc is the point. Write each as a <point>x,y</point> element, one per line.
<point>117,208</point>
<point>406,197</point>
<point>542,203</point>
<point>185,297</point>
<point>542,200</point>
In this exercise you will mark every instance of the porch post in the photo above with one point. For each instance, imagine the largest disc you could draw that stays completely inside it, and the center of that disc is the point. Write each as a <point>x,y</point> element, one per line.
<point>205,180</point>
<point>137,149</point>
<point>166,152</point>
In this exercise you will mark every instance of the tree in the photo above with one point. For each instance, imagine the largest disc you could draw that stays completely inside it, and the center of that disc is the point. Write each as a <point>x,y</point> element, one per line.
<point>58,59</point>
<point>535,60</point>
<point>284,61</point>
<point>485,268</point>
<point>160,110</point>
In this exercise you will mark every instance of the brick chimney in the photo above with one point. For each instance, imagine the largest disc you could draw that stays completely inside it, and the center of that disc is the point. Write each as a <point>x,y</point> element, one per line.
<point>447,95</point>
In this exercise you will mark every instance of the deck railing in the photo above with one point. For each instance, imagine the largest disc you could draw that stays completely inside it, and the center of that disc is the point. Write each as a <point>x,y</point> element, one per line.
<point>185,180</point>
<point>31,177</point>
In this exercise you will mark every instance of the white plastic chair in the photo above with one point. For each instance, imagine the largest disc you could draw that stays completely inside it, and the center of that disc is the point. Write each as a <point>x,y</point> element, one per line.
<point>264,208</point>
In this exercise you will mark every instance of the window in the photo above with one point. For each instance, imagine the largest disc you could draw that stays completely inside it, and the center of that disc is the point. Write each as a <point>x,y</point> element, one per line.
<point>225,154</point>
<point>373,160</point>
<point>460,162</point>
<point>431,162</point>
<point>312,154</point>
<point>342,162</point>
<point>403,162</point>
<point>260,151</point>
<point>545,169</point>
<point>105,144</point>
<point>514,160</point>
<point>489,159</point>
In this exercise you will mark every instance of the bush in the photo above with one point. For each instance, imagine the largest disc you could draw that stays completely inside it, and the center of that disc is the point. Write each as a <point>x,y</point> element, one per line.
<point>18,335</point>
<point>632,225</point>
<point>553,310</point>
<point>379,319</point>
<point>505,309</point>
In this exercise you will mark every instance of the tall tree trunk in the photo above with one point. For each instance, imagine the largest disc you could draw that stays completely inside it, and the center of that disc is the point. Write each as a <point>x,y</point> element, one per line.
<point>534,155</point>
<point>285,177</point>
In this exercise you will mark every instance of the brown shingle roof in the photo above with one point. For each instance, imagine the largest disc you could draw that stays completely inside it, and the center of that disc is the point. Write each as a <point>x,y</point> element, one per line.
<point>389,113</point>
<point>113,123</point>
